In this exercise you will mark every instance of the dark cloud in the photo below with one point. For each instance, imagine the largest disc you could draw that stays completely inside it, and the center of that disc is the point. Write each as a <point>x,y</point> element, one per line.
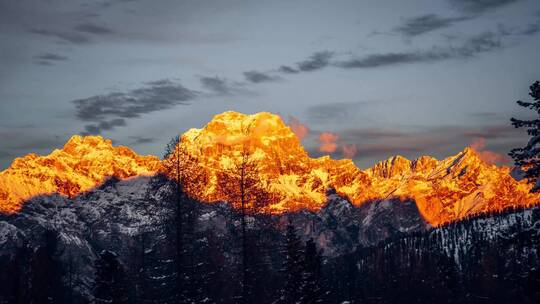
<point>531,29</point>
<point>479,6</point>
<point>258,77</point>
<point>110,110</point>
<point>482,43</point>
<point>95,29</point>
<point>424,24</point>
<point>491,131</point>
<point>104,126</point>
<point>222,86</point>
<point>49,58</point>
<point>139,140</point>
<point>387,59</point>
<point>216,84</point>
<point>63,36</point>
<point>315,62</point>
<point>287,69</point>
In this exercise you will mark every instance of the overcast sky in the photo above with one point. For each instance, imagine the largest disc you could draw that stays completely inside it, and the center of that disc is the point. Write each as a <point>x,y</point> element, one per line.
<point>387,77</point>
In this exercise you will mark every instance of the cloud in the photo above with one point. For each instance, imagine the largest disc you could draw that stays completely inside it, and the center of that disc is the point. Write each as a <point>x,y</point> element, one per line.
<point>424,24</point>
<point>479,6</point>
<point>104,126</point>
<point>139,140</point>
<point>531,29</point>
<point>491,131</point>
<point>349,150</point>
<point>299,129</point>
<point>111,110</point>
<point>482,43</point>
<point>328,142</point>
<point>288,70</point>
<point>94,29</point>
<point>63,36</point>
<point>49,58</point>
<point>488,156</point>
<point>216,85</point>
<point>315,62</point>
<point>258,77</point>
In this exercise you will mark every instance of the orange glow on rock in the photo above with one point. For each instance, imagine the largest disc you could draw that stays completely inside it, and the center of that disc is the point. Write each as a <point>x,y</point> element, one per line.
<point>444,190</point>
<point>82,164</point>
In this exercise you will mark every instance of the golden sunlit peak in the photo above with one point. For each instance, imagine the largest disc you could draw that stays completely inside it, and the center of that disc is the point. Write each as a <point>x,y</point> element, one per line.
<point>83,163</point>
<point>444,190</point>
<point>233,128</point>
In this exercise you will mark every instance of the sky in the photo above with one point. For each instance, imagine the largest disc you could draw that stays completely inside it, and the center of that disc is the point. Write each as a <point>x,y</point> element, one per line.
<point>358,79</point>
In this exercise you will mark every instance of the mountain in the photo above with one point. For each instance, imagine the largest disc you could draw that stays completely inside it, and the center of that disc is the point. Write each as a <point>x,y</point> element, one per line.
<point>82,164</point>
<point>453,188</point>
<point>443,190</point>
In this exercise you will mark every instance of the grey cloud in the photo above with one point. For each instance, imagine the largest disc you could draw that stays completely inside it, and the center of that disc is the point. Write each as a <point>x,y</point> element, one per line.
<point>222,86</point>
<point>110,110</point>
<point>63,36</point>
<point>104,126</point>
<point>387,59</point>
<point>482,43</point>
<point>287,69</point>
<point>139,140</point>
<point>49,58</point>
<point>258,77</point>
<point>91,28</point>
<point>532,29</point>
<point>424,24</point>
<point>316,61</point>
<point>216,84</point>
<point>479,6</point>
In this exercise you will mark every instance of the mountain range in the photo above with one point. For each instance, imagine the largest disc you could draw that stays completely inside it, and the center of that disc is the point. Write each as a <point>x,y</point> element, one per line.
<point>443,190</point>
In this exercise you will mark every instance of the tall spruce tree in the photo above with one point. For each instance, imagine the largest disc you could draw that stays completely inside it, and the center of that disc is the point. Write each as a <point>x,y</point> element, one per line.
<point>111,283</point>
<point>183,169</point>
<point>173,161</point>
<point>311,281</point>
<point>46,284</point>
<point>292,268</point>
<point>240,183</point>
<point>528,157</point>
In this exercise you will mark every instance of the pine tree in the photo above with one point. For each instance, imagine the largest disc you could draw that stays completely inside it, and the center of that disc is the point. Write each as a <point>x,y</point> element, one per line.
<point>528,157</point>
<point>111,282</point>
<point>292,268</point>
<point>240,184</point>
<point>181,167</point>
<point>14,276</point>
<point>311,281</point>
<point>46,271</point>
<point>173,165</point>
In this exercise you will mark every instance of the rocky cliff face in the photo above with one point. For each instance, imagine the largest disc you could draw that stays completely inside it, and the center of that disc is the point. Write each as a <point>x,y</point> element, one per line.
<point>82,164</point>
<point>443,190</point>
